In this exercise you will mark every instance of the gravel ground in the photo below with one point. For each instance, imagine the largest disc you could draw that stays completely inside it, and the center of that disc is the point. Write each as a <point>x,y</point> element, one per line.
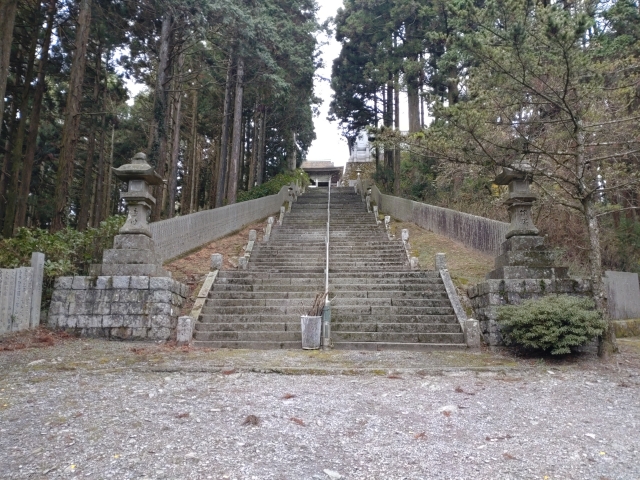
<point>95,409</point>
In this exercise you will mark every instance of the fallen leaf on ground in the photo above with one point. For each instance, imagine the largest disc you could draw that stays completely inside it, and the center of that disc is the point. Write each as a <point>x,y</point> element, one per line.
<point>251,420</point>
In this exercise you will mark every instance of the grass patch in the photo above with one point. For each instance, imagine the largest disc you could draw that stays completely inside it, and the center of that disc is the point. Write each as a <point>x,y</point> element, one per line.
<point>466,265</point>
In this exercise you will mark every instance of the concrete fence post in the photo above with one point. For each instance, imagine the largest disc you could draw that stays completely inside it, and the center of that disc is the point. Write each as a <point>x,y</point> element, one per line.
<point>216,261</point>
<point>7,289</point>
<point>184,330</point>
<point>37,265</point>
<point>267,232</point>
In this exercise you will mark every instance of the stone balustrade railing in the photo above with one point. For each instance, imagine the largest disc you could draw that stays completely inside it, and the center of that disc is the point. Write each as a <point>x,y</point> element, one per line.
<point>177,236</point>
<point>480,233</point>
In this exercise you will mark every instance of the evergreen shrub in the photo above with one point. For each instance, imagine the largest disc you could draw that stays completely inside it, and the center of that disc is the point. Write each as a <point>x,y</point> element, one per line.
<point>274,185</point>
<point>67,252</point>
<point>553,324</point>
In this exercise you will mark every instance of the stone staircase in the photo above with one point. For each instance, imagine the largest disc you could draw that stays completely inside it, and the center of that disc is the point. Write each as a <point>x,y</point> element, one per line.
<point>377,302</point>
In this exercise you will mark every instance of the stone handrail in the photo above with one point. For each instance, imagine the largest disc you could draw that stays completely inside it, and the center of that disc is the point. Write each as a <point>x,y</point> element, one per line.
<point>480,233</point>
<point>179,235</point>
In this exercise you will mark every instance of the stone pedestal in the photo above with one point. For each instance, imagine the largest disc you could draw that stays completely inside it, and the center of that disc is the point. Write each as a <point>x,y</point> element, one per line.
<point>129,295</point>
<point>524,270</point>
<point>525,267</point>
<point>120,307</point>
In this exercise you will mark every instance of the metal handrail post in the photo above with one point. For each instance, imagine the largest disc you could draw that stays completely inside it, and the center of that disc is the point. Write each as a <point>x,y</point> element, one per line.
<point>326,312</point>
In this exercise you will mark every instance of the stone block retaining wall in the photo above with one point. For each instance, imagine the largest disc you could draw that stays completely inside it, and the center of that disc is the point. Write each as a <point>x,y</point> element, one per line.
<point>122,307</point>
<point>176,236</point>
<point>487,296</point>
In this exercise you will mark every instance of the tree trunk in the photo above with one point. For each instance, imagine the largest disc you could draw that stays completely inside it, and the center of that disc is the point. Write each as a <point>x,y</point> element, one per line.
<point>34,122</point>
<point>107,194</point>
<point>414,106</point>
<point>607,342</point>
<point>98,208</point>
<point>12,127</point>
<point>452,86</point>
<point>159,137</point>
<point>224,137</point>
<point>388,122</point>
<point>98,204</point>
<point>87,180</point>
<point>257,123</point>
<point>189,177</point>
<point>7,19</point>
<point>18,142</point>
<point>243,176</point>
<point>175,142</point>
<point>237,135</point>
<point>64,176</point>
<point>260,167</point>
<point>293,152</point>
<point>396,153</point>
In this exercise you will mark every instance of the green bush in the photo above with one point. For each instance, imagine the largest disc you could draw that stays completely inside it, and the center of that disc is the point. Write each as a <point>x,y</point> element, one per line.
<point>274,185</point>
<point>554,323</point>
<point>67,252</point>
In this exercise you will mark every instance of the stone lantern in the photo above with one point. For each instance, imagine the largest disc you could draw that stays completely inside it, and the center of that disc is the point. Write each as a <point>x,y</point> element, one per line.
<point>520,200</point>
<point>139,176</point>
<point>133,251</point>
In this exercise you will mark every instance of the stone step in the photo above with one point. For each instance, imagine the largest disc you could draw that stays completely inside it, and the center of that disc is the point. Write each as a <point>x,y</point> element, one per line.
<point>335,302</point>
<point>387,281</point>
<point>395,294</point>
<point>382,346</point>
<point>249,345</point>
<point>242,295</point>
<point>269,281</point>
<point>249,336</point>
<point>211,308</point>
<point>376,318</point>
<point>393,337</point>
<point>415,328</point>
<point>432,274</point>
<point>263,288</point>
<point>249,327</point>
<point>263,275</point>
<point>382,310</point>
<point>247,318</point>
<point>294,326</point>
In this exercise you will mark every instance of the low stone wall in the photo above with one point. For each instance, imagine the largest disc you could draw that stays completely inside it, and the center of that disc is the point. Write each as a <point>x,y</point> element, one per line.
<point>476,232</point>
<point>121,307</point>
<point>179,235</point>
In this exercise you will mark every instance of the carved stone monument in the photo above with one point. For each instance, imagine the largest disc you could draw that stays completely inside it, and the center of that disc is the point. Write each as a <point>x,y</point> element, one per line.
<point>525,267</point>
<point>129,295</point>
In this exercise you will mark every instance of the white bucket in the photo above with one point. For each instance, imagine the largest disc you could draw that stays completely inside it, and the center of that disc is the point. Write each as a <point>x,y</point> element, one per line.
<point>311,329</point>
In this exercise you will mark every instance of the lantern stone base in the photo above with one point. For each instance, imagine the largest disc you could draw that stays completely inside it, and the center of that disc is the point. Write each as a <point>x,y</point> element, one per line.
<point>487,296</point>
<point>133,254</point>
<point>524,270</point>
<point>119,306</point>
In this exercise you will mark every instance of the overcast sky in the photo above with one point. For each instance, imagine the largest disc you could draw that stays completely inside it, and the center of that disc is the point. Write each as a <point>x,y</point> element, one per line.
<point>330,144</point>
